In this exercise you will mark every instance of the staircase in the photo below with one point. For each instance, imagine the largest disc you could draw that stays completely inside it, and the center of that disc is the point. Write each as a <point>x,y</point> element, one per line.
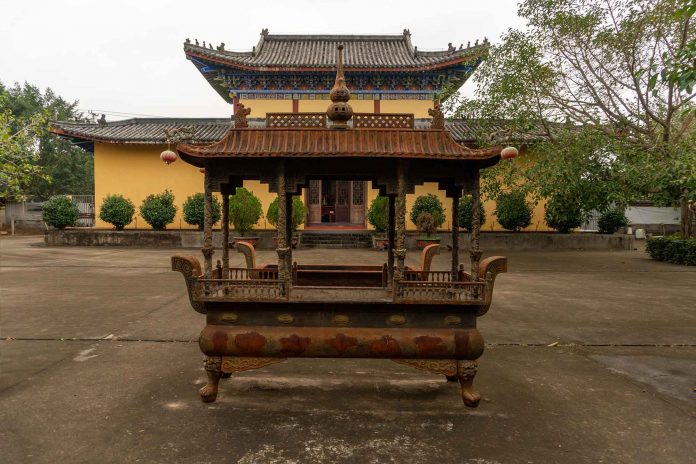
<point>336,239</point>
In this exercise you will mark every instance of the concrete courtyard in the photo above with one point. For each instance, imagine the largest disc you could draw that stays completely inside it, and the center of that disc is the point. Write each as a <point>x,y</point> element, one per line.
<point>590,358</point>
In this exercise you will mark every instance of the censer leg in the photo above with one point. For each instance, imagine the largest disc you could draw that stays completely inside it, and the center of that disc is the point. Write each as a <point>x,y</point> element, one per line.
<point>466,371</point>
<point>213,371</point>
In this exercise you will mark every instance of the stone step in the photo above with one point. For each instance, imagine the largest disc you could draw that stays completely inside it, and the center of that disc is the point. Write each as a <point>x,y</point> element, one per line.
<point>336,239</point>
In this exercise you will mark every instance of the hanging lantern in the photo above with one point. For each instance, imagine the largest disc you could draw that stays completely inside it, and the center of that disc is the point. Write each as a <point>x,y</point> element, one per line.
<point>168,156</point>
<point>509,153</point>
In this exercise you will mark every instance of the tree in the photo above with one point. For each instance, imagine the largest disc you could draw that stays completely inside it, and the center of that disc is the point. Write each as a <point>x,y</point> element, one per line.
<point>60,212</point>
<point>18,154</point>
<point>245,210</point>
<point>159,210</point>
<point>299,212</point>
<point>194,210</point>
<point>585,76</point>
<point>67,168</point>
<point>117,210</point>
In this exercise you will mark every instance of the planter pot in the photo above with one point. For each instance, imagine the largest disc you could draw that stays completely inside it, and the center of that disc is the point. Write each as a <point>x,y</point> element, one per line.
<point>253,241</point>
<point>380,243</point>
<point>423,242</point>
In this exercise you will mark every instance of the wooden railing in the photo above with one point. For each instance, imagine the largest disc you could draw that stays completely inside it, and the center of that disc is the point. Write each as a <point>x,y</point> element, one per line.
<point>296,120</point>
<point>383,121</point>
<point>439,292</point>
<point>243,284</point>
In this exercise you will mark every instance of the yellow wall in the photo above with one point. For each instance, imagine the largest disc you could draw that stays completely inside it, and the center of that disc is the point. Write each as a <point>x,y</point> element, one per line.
<point>419,108</point>
<point>259,107</point>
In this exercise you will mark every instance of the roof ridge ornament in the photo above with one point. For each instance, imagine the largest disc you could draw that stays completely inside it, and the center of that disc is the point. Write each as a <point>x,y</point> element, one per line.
<point>339,111</point>
<point>438,121</point>
<point>240,116</point>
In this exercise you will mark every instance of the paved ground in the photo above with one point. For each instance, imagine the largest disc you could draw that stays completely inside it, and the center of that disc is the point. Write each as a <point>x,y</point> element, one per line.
<point>98,363</point>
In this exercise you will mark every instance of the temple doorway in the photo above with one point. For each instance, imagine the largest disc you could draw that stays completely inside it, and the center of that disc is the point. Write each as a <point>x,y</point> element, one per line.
<point>336,203</point>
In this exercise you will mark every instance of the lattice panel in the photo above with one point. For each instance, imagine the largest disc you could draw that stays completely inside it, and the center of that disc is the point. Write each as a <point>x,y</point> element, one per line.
<point>383,121</point>
<point>358,193</point>
<point>296,120</point>
<point>314,192</point>
<point>433,291</point>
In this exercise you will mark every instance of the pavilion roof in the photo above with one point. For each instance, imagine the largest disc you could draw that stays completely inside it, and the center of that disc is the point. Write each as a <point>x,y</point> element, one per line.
<point>330,143</point>
<point>279,52</point>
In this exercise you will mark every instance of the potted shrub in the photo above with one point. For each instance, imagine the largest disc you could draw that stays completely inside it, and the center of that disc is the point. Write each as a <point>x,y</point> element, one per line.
<point>194,208</point>
<point>466,210</point>
<point>159,210</point>
<point>562,214</point>
<point>378,216</point>
<point>299,212</point>
<point>611,221</point>
<point>513,211</point>
<point>60,212</point>
<point>245,212</point>
<point>117,211</point>
<point>428,224</point>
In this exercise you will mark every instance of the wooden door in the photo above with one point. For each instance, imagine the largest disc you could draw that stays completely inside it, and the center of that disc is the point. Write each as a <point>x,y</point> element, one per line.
<point>342,201</point>
<point>314,202</point>
<point>357,209</point>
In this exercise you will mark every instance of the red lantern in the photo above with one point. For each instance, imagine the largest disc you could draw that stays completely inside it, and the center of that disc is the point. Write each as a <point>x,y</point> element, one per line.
<point>168,156</point>
<point>509,153</point>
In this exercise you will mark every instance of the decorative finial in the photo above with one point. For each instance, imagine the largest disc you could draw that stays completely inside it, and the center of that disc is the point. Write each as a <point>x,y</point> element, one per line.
<point>188,41</point>
<point>339,111</point>
<point>264,32</point>
<point>197,44</point>
<point>221,47</point>
<point>204,44</point>
<point>253,50</point>
<point>415,51</point>
<point>102,120</point>
<point>240,116</point>
<point>485,40</point>
<point>461,46</point>
<point>438,121</point>
<point>407,32</point>
<point>450,47</point>
<point>468,44</point>
<point>476,42</point>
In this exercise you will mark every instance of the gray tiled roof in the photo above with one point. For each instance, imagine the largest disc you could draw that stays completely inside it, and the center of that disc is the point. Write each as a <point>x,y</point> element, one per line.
<point>208,130</point>
<point>319,51</point>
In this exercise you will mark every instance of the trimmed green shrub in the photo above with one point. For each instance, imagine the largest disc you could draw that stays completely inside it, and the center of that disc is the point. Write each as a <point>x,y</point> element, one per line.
<point>60,212</point>
<point>426,224</point>
<point>299,212</point>
<point>466,212</point>
<point>117,211</point>
<point>194,208</point>
<point>245,210</point>
<point>430,204</point>
<point>672,249</point>
<point>378,214</point>
<point>513,211</point>
<point>611,221</point>
<point>159,210</point>
<point>562,214</point>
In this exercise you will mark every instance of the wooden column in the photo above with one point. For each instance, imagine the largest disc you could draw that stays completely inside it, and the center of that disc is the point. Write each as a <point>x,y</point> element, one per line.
<point>390,237</point>
<point>225,235</point>
<point>288,228</point>
<point>400,222</point>
<point>456,195</point>
<point>282,248</point>
<point>207,227</point>
<point>475,223</point>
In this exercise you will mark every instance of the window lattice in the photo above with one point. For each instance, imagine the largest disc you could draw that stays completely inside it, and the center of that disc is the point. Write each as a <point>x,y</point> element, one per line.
<point>314,192</point>
<point>358,193</point>
<point>383,121</point>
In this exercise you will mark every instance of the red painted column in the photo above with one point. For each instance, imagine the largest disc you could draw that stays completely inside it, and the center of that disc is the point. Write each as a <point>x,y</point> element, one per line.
<point>377,110</point>
<point>295,105</point>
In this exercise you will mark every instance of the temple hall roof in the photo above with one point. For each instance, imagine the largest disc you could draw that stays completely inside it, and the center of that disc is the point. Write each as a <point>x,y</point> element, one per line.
<point>277,52</point>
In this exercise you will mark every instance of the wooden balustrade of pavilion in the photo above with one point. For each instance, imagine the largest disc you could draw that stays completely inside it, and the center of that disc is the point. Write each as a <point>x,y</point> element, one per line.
<point>288,153</point>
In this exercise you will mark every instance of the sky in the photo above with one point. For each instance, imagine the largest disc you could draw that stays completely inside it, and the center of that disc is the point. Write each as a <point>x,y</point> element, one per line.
<point>127,56</point>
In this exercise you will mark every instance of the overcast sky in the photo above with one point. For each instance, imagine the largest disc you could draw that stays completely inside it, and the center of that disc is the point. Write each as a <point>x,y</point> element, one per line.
<point>127,56</point>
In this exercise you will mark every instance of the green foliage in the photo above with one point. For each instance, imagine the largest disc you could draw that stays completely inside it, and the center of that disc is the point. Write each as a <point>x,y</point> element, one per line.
<point>672,250</point>
<point>159,210</point>
<point>426,224</point>
<point>245,210</point>
<point>19,156</point>
<point>55,165</point>
<point>584,76</point>
<point>430,204</point>
<point>60,212</point>
<point>513,211</point>
<point>466,210</point>
<point>378,214</point>
<point>299,212</point>
<point>194,208</point>
<point>612,220</point>
<point>117,211</point>
<point>562,214</point>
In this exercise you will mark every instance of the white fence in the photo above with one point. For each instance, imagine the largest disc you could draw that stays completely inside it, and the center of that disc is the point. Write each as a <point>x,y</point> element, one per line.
<point>30,212</point>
